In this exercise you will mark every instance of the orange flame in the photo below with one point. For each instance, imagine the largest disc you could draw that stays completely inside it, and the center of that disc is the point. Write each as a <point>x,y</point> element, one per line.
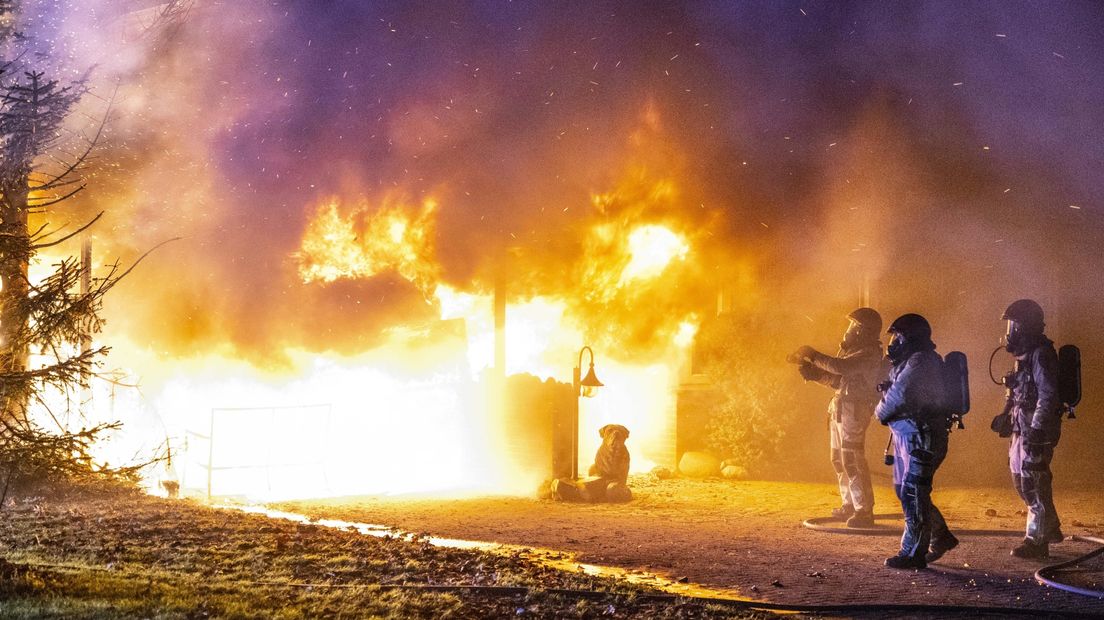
<point>410,415</point>
<point>651,248</point>
<point>364,242</point>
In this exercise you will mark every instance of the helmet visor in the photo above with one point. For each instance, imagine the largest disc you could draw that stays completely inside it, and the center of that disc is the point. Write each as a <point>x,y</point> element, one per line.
<point>854,333</point>
<point>897,349</point>
<point>1014,337</point>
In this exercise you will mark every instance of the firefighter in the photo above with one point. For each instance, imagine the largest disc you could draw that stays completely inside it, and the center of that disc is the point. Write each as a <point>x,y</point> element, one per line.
<point>854,374</point>
<point>1036,424</point>
<point>912,406</point>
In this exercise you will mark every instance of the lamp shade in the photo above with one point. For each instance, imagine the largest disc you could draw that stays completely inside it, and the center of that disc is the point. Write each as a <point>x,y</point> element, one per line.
<point>589,383</point>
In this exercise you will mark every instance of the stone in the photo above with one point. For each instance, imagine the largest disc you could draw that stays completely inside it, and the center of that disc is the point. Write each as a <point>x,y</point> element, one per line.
<point>733,472</point>
<point>662,473</point>
<point>699,465</point>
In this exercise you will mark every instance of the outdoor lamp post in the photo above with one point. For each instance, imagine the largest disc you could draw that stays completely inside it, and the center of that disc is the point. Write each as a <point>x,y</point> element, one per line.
<point>584,388</point>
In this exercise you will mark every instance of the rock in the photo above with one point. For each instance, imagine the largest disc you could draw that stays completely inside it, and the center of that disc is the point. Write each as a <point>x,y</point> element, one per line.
<point>733,472</point>
<point>662,473</point>
<point>699,465</point>
<point>1076,523</point>
<point>778,584</point>
<point>990,513</point>
<point>683,579</point>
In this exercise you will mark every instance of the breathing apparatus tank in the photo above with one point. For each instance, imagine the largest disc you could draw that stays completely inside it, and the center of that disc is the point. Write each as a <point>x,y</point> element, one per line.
<point>956,394</point>
<point>1069,377</point>
<point>1069,383</point>
<point>956,386</point>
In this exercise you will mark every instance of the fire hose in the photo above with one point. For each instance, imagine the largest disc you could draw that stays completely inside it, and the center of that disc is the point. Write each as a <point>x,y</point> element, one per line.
<point>1045,575</point>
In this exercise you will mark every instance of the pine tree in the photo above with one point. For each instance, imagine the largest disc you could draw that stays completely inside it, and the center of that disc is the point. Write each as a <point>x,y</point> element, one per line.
<point>32,111</point>
<point>40,171</point>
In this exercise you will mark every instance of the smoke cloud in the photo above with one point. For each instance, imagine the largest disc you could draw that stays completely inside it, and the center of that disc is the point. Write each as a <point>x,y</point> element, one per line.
<point>943,157</point>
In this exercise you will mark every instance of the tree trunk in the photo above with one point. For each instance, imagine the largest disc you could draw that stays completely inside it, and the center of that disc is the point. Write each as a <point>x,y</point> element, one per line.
<point>14,290</point>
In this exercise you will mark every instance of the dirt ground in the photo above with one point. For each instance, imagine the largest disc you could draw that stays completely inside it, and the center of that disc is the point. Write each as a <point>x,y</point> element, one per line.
<point>746,538</point>
<point>112,553</point>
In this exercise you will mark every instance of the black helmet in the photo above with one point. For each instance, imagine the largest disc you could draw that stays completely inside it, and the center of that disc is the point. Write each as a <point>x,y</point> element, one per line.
<point>1025,326</point>
<point>912,326</point>
<point>868,319</point>
<point>1025,312</point>
<point>909,333</point>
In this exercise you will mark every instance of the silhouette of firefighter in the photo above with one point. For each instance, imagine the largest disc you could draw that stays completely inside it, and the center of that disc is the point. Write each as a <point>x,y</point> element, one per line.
<point>854,374</point>
<point>1035,423</point>
<point>913,405</point>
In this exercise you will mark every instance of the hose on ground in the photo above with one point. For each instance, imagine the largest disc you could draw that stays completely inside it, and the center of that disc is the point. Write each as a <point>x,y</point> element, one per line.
<point>1045,575</point>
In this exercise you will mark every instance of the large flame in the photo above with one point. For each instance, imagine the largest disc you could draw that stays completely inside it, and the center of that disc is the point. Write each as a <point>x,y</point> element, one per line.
<point>651,249</point>
<point>366,240</point>
<point>416,412</point>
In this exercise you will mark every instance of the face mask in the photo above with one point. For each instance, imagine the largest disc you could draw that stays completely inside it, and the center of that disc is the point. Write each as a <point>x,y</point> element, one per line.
<point>1014,338</point>
<point>852,336</point>
<point>897,349</point>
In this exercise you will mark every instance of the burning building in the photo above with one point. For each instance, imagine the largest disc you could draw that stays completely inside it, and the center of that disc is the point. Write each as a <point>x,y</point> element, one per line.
<point>352,183</point>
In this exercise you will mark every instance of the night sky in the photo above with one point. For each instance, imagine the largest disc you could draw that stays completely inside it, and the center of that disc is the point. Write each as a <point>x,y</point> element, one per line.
<point>950,152</point>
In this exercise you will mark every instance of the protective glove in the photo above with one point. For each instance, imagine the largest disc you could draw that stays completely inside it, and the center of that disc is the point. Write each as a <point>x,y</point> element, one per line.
<point>806,352</point>
<point>808,372</point>
<point>1002,424</point>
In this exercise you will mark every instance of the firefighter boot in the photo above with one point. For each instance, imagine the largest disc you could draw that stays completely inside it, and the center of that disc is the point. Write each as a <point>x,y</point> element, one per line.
<point>904,561</point>
<point>1031,550</point>
<point>940,547</point>
<point>861,519</point>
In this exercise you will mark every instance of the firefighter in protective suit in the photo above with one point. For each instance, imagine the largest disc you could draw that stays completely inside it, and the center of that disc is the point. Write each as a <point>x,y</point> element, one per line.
<point>1036,424</point>
<point>912,406</point>
<point>854,373</point>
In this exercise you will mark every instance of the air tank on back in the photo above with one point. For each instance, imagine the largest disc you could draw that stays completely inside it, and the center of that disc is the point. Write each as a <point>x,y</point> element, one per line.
<point>1069,376</point>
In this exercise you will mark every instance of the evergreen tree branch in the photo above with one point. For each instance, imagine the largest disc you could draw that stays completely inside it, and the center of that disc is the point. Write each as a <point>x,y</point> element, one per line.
<point>76,232</point>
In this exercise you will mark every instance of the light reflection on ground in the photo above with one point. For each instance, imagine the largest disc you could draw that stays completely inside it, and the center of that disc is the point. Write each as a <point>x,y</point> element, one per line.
<point>547,557</point>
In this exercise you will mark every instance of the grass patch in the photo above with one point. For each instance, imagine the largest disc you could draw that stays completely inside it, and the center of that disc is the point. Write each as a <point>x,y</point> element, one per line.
<point>127,555</point>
